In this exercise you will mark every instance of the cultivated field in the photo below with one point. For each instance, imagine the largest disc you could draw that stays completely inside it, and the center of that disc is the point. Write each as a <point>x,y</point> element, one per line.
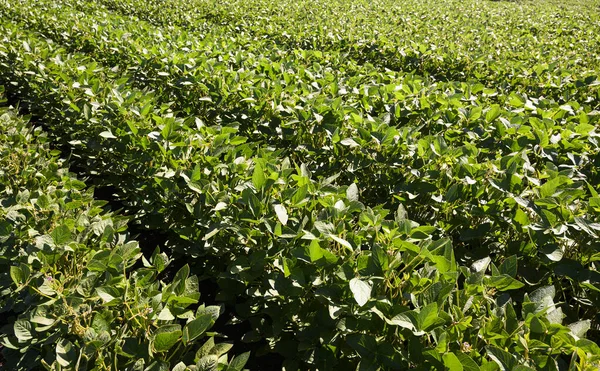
<point>299,185</point>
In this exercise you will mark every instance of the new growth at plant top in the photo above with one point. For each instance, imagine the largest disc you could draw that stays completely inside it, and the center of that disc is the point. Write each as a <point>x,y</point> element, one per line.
<point>368,184</point>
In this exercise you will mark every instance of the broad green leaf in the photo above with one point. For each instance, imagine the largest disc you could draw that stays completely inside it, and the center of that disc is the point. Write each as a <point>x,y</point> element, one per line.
<point>5,230</point>
<point>23,331</point>
<point>221,348</point>
<point>493,113</point>
<point>428,317</point>
<point>406,320</point>
<point>553,252</point>
<point>505,360</point>
<point>107,134</point>
<point>165,337</point>
<point>538,295</point>
<point>315,252</point>
<point>579,328</point>
<point>166,315</point>
<point>587,226</point>
<point>422,232</point>
<point>341,241</point>
<point>504,282</point>
<point>299,195</point>
<point>352,192</point>
<point>588,346</point>
<point>361,291</point>
<point>213,310</point>
<point>17,275</point>
<point>61,235</point>
<point>108,294</point>
<point>196,328</point>
<point>205,349</point>
<point>282,213</point>
<point>509,266</point>
<point>511,321</point>
<point>208,363</point>
<point>364,345</point>
<point>258,176</point>
<point>238,362</point>
<point>167,130</point>
<point>66,354</point>
<point>467,362</point>
<point>452,362</point>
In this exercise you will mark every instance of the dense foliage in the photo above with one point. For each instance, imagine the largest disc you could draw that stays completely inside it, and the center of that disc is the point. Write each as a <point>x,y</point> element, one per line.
<point>74,291</point>
<point>373,184</point>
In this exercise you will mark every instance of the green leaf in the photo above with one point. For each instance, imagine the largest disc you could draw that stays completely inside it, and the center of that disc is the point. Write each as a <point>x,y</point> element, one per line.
<point>587,226</point>
<point>553,252</point>
<point>167,130</point>
<point>65,353</point>
<point>108,294</point>
<point>579,328</point>
<point>282,213</point>
<point>196,328</point>
<point>213,310</point>
<point>467,362</point>
<point>512,323</point>
<point>539,295</point>
<point>406,320</point>
<point>166,315</point>
<point>205,349</point>
<point>179,279</point>
<point>165,337</point>
<point>505,360</point>
<point>5,230</point>
<point>352,192</point>
<point>504,282</point>
<point>315,252</point>
<point>364,345</point>
<point>208,363</point>
<point>341,241</point>
<point>588,346</point>
<point>61,235</point>
<point>17,275</point>
<point>361,291</point>
<point>299,195</point>
<point>452,362</point>
<point>509,266</point>
<point>258,176</point>
<point>493,113</point>
<point>422,232</point>
<point>238,363</point>
<point>220,349</point>
<point>22,329</point>
<point>537,326</point>
<point>428,318</point>
<point>107,134</point>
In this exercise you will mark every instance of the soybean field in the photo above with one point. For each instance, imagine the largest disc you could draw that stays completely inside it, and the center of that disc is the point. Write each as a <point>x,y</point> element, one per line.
<point>299,185</point>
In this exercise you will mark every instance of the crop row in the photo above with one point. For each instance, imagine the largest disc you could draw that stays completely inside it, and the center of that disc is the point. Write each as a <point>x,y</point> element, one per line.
<point>292,228</point>
<point>530,47</point>
<point>565,79</point>
<point>344,127</point>
<point>74,291</point>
